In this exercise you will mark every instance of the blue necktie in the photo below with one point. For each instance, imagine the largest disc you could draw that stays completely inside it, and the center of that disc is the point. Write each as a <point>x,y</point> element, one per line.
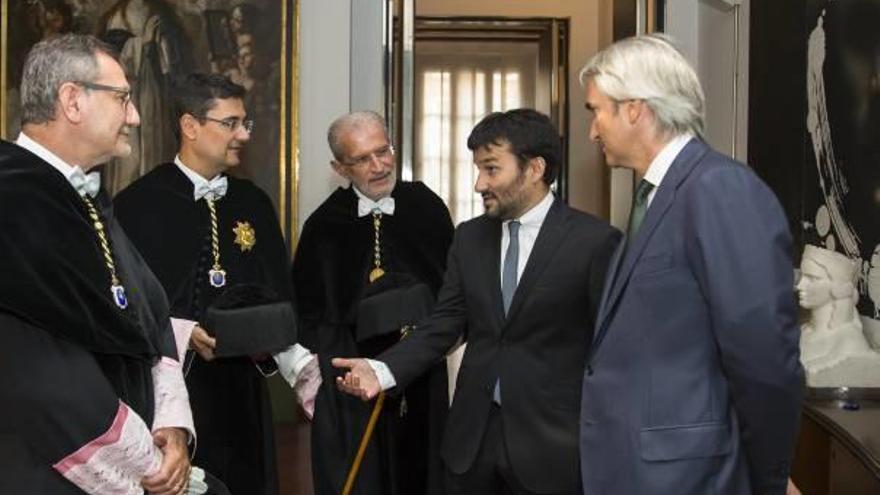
<point>511,260</point>
<point>508,283</point>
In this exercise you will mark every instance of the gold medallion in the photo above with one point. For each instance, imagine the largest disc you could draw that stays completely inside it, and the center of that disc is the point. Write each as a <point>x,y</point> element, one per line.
<point>245,236</point>
<point>376,273</point>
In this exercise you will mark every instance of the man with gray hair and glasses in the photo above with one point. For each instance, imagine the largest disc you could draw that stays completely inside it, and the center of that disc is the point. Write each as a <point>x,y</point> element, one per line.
<point>368,264</point>
<point>693,383</point>
<point>90,376</point>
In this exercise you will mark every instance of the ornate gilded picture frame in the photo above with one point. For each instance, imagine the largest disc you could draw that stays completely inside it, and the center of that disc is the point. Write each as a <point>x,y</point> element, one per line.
<point>254,42</point>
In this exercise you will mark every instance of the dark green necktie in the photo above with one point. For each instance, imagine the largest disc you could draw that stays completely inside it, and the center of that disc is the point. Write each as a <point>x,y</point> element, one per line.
<point>639,207</point>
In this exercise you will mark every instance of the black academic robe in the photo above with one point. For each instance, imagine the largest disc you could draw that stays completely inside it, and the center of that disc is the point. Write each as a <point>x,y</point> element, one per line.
<point>330,272</point>
<point>68,353</point>
<point>229,396</point>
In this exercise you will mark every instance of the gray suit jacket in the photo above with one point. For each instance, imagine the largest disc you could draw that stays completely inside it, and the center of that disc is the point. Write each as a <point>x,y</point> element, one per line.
<point>693,385</point>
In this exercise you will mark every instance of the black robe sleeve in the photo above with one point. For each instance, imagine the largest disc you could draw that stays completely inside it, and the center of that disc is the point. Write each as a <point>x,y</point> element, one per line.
<point>44,421</point>
<point>68,353</point>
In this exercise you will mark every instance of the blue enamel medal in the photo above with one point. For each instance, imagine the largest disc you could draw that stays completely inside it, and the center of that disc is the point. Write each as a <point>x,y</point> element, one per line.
<point>119,296</point>
<point>217,277</point>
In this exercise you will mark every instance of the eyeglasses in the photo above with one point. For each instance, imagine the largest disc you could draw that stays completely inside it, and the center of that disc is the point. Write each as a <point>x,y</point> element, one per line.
<point>382,154</point>
<point>124,93</point>
<point>232,123</point>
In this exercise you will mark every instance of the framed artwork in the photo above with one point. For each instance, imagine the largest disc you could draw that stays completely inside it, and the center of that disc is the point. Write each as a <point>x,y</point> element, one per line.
<point>254,42</point>
<point>813,120</point>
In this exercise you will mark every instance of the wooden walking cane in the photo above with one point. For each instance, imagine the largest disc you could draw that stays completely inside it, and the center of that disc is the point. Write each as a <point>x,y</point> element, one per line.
<point>365,439</point>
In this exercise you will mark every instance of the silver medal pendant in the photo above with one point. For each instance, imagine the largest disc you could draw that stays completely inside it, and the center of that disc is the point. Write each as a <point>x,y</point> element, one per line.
<point>217,278</point>
<point>119,296</point>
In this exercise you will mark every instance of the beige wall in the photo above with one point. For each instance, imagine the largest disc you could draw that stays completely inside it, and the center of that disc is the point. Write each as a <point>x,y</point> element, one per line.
<point>590,22</point>
<point>324,88</point>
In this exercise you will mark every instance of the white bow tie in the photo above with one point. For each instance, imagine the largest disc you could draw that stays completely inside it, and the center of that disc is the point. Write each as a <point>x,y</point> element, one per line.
<point>367,206</point>
<point>213,189</point>
<point>85,183</point>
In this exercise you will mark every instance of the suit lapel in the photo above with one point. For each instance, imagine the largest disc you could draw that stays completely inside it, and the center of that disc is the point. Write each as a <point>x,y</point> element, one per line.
<point>491,252</point>
<point>630,252</point>
<point>610,277</point>
<point>549,238</point>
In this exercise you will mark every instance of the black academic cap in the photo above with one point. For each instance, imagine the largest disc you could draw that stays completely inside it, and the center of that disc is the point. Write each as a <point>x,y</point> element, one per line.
<point>390,303</point>
<point>249,320</point>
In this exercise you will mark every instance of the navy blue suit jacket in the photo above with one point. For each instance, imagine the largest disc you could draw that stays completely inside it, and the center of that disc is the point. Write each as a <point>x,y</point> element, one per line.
<point>693,384</point>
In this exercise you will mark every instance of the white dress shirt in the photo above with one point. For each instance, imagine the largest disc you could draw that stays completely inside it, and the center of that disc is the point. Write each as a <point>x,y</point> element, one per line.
<point>661,163</point>
<point>66,169</point>
<point>530,225</point>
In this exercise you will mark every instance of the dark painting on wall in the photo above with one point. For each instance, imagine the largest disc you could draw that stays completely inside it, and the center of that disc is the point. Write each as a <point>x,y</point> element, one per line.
<point>158,40</point>
<point>842,175</point>
<point>814,125</point>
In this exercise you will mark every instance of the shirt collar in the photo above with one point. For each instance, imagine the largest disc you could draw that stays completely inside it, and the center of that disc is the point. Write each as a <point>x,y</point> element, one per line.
<point>191,174</point>
<point>661,163</point>
<point>38,149</point>
<point>536,215</point>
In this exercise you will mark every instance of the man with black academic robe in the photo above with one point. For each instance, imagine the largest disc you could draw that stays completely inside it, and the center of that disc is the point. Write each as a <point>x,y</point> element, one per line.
<point>90,381</point>
<point>369,262</point>
<point>215,244</point>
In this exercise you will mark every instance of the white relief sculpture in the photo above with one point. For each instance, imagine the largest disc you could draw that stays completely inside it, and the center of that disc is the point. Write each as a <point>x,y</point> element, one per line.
<point>834,349</point>
<point>831,178</point>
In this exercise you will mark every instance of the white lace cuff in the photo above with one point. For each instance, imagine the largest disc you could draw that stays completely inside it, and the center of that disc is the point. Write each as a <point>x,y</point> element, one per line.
<point>383,374</point>
<point>172,399</point>
<point>182,331</point>
<point>115,462</point>
<point>299,367</point>
<point>291,362</point>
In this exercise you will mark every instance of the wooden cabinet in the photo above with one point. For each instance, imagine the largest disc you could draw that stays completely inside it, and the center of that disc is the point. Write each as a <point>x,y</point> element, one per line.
<point>838,452</point>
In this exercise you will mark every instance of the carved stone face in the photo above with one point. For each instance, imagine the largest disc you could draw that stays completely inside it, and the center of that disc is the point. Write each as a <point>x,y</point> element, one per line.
<point>814,287</point>
<point>826,276</point>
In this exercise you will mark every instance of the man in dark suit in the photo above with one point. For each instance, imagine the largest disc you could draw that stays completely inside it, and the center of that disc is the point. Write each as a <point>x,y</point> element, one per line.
<point>693,383</point>
<point>522,285</point>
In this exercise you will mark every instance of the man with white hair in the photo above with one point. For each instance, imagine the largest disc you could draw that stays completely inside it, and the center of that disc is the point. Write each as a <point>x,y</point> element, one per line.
<point>693,384</point>
<point>368,264</point>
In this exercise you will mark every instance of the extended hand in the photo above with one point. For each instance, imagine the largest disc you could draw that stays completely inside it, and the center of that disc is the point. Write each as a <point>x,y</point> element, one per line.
<point>359,380</point>
<point>202,343</point>
<point>173,475</point>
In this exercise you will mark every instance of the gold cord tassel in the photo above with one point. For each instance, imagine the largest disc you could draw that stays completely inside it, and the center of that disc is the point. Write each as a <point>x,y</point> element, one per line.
<point>116,288</point>
<point>377,270</point>
<point>216,275</point>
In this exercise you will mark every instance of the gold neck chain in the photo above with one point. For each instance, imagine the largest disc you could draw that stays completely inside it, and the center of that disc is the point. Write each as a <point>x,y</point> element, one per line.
<point>116,288</point>
<point>377,270</point>
<point>216,275</point>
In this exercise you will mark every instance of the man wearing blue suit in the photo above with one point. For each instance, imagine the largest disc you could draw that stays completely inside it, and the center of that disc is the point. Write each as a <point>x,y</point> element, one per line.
<point>692,384</point>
